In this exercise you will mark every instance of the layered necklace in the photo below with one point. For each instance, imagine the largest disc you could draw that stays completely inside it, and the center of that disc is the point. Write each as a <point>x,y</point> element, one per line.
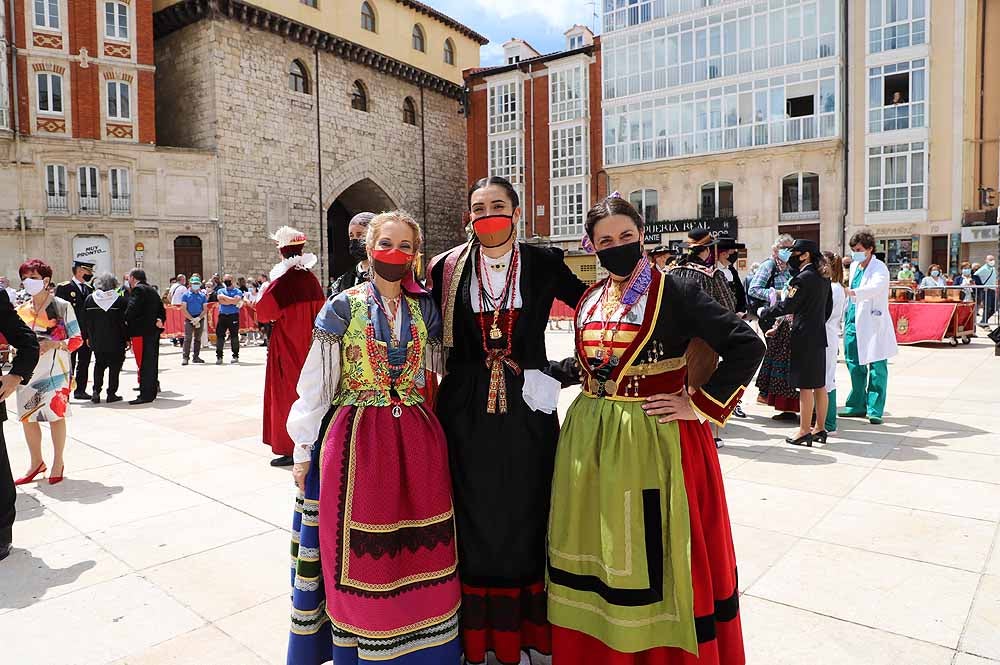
<point>382,367</point>
<point>614,297</point>
<point>497,359</point>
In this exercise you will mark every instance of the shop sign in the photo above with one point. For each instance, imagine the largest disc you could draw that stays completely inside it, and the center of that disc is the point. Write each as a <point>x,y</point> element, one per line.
<point>980,234</point>
<point>93,249</point>
<point>718,226</point>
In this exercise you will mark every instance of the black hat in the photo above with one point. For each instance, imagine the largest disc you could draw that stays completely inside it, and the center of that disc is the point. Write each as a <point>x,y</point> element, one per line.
<point>660,249</point>
<point>725,242</point>
<point>803,245</point>
<point>81,263</point>
<point>700,238</point>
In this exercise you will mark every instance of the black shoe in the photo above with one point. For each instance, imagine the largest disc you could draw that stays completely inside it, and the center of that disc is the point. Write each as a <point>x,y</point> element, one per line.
<point>136,389</point>
<point>113,398</point>
<point>198,361</point>
<point>4,551</point>
<point>806,440</point>
<point>719,443</point>
<point>96,399</point>
<point>234,361</point>
<point>79,395</point>
<point>739,412</point>
<point>787,416</point>
<point>218,361</point>
<point>820,436</point>
<point>139,400</point>
<point>284,460</point>
<point>184,362</point>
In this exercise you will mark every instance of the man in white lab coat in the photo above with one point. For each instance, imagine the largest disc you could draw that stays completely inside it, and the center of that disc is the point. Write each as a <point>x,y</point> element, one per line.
<point>869,336</point>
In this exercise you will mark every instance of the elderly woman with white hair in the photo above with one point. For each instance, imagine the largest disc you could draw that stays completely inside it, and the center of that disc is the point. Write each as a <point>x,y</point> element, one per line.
<point>107,334</point>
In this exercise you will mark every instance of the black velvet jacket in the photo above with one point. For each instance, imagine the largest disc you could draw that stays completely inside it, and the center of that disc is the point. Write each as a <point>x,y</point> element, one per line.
<point>545,277</point>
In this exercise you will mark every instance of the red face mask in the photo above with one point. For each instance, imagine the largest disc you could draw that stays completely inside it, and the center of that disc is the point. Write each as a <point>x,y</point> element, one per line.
<point>391,264</point>
<point>494,230</point>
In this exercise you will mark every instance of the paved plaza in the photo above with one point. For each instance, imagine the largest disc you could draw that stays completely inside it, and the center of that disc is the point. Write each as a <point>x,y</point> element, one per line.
<point>168,541</point>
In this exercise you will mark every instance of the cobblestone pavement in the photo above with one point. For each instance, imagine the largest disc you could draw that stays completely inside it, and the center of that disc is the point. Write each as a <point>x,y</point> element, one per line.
<point>168,541</point>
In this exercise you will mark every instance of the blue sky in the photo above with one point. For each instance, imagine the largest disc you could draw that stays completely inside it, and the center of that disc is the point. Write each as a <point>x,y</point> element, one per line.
<point>540,22</point>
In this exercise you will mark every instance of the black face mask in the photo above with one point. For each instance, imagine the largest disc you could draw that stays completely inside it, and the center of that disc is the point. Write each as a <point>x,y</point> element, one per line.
<point>795,262</point>
<point>87,278</point>
<point>228,283</point>
<point>731,259</point>
<point>621,260</point>
<point>358,249</point>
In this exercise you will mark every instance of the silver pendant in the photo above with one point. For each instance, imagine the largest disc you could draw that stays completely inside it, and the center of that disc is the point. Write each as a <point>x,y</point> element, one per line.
<point>397,411</point>
<point>600,354</point>
<point>613,360</point>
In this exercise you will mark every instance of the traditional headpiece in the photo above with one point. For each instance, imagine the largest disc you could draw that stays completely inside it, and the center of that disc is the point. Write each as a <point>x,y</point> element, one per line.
<point>83,263</point>
<point>726,242</point>
<point>660,250</point>
<point>700,238</point>
<point>286,236</point>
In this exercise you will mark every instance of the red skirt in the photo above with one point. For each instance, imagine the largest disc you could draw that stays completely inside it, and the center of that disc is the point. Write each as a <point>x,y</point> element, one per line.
<point>713,574</point>
<point>504,622</point>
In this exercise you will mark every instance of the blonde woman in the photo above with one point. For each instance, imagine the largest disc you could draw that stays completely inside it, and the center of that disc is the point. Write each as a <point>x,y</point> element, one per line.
<point>381,566</point>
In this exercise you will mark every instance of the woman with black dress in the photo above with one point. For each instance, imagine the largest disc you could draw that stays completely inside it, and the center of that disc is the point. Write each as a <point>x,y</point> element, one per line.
<point>810,304</point>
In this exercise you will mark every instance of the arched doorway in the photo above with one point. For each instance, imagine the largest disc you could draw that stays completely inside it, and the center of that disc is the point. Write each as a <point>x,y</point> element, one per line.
<point>362,196</point>
<point>187,255</point>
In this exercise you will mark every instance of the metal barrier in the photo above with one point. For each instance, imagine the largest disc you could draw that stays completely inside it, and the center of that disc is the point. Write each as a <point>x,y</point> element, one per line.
<point>985,297</point>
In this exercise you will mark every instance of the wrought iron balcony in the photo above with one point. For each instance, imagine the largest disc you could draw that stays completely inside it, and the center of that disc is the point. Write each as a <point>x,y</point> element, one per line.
<point>57,203</point>
<point>90,205</point>
<point>121,204</point>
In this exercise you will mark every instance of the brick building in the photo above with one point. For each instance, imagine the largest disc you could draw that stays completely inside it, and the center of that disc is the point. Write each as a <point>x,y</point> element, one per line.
<point>316,112</point>
<point>80,172</point>
<point>536,120</point>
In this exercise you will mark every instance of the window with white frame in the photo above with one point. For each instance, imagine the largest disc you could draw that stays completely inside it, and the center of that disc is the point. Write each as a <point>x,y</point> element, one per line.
<point>896,177</point>
<point>569,202</point>
<point>118,184</point>
<point>50,95</point>
<point>575,42</point>
<point>716,200</point>
<point>88,189</point>
<point>119,102</point>
<point>798,106</point>
<point>896,24</point>
<point>646,201</point>
<point>897,96</point>
<point>504,109</point>
<point>55,187</point>
<point>47,14</point>
<point>4,103</point>
<point>800,193</point>
<point>754,38</point>
<point>566,88</point>
<point>569,152</point>
<point>507,161</point>
<point>116,20</point>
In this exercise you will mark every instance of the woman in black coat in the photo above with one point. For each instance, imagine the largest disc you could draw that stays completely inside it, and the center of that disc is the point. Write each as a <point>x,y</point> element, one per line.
<point>810,304</point>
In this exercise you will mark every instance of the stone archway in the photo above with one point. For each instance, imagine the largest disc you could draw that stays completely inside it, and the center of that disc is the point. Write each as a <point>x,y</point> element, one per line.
<point>361,196</point>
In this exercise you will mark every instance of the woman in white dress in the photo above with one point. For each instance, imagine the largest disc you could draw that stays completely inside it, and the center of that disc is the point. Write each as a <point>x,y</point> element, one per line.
<point>833,326</point>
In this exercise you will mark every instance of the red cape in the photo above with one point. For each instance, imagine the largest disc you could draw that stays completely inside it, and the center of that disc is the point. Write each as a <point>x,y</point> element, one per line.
<point>292,302</point>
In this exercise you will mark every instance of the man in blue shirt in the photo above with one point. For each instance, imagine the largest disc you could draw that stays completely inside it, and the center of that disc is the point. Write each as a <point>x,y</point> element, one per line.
<point>193,301</point>
<point>230,301</point>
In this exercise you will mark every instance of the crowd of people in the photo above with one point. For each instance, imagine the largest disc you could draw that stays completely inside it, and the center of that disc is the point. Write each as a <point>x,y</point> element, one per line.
<point>460,519</point>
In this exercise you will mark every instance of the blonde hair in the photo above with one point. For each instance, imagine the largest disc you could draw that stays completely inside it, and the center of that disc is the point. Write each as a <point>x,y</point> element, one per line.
<point>400,216</point>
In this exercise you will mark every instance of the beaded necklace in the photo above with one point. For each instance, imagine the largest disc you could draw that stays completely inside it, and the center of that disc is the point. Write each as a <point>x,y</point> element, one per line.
<point>497,303</point>
<point>379,354</point>
<point>637,284</point>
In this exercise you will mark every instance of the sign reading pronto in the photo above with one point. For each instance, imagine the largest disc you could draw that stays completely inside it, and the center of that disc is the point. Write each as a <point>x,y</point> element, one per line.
<point>719,226</point>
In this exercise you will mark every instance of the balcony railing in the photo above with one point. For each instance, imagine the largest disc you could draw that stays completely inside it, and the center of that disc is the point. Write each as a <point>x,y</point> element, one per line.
<point>121,204</point>
<point>899,116</point>
<point>90,205</point>
<point>711,212</point>
<point>58,203</point>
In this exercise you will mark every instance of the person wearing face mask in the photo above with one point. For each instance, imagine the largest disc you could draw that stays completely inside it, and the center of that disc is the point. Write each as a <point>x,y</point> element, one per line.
<point>107,334</point>
<point>810,304</point>
<point>729,254</point>
<point>372,460</point>
<point>195,314</point>
<point>966,278</point>
<point>988,277</point>
<point>660,257</point>
<point>642,569</point>
<point>288,304</point>
<point>75,292</point>
<point>356,232</point>
<point>145,317</point>
<point>497,404</point>
<point>935,281</point>
<point>46,397</point>
<point>230,299</point>
<point>869,335</point>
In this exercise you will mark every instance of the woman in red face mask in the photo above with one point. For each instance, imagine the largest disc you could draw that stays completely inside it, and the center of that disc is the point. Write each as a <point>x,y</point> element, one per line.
<point>372,459</point>
<point>497,405</point>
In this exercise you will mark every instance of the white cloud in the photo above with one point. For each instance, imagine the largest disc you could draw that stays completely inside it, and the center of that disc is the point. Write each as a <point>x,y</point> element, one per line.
<point>491,54</point>
<point>559,14</point>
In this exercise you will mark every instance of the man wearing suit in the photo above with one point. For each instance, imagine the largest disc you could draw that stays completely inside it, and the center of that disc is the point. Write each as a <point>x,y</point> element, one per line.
<point>75,292</point>
<point>869,334</point>
<point>24,341</point>
<point>145,317</point>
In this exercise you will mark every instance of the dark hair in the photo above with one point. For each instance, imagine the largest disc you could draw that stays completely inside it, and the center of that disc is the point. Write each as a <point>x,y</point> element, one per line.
<point>483,183</point>
<point>291,250</point>
<point>863,238</point>
<point>139,274</point>
<point>35,265</point>
<point>612,205</point>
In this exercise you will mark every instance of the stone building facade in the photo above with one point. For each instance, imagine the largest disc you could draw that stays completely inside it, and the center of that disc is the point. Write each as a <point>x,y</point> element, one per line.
<point>80,174</point>
<point>308,129</point>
